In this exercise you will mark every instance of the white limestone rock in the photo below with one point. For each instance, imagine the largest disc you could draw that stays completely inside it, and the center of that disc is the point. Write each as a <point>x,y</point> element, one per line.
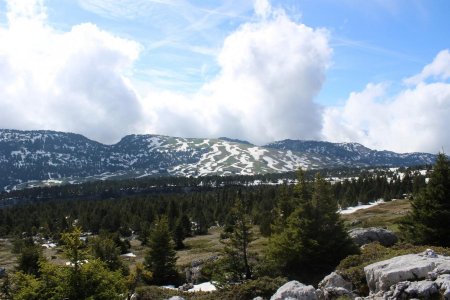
<point>294,290</point>
<point>382,275</point>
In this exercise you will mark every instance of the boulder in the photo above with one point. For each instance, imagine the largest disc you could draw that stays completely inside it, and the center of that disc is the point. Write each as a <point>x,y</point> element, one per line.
<point>421,289</point>
<point>363,236</point>
<point>294,290</point>
<point>176,298</point>
<point>443,282</point>
<point>331,293</point>
<point>382,275</point>
<point>258,298</point>
<point>335,280</point>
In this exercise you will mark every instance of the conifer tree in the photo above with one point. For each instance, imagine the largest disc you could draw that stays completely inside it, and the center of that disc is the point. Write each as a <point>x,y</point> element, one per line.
<point>161,257</point>
<point>314,239</point>
<point>429,221</point>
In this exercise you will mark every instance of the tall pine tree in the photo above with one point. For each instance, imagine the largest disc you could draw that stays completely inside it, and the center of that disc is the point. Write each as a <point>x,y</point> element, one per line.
<point>429,221</point>
<point>161,257</point>
<point>314,239</point>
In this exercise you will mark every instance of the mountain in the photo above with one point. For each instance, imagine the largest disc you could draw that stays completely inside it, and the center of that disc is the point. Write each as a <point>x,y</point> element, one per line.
<point>353,153</point>
<point>67,157</point>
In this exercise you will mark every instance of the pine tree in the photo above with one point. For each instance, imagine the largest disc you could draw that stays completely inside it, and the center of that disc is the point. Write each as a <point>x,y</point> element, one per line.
<point>237,264</point>
<point>314,239</point>
<point>161,257</point>
<point>429,221</point>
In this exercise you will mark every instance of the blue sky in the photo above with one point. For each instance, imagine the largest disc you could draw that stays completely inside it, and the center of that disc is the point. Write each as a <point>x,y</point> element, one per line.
<point>214,68</point>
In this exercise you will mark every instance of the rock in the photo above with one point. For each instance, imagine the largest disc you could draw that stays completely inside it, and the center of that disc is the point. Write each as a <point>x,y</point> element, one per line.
<point>176,298</point>
<point>382,275</point>
<point>330,293</point>
<point>443,282</point>
<point>258,298</point>
<point>185,287</point>
<point>421,289</point>
<point>294,290</point>
<point>335,280</point>
<point>363,236</point>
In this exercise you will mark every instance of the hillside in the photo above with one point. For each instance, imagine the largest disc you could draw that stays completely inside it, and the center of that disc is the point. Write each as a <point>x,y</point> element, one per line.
<point>66,157</point>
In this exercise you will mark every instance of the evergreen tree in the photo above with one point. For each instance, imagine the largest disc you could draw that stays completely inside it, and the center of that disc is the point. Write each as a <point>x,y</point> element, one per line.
<point>161,257</point>
<point>29,256</point>
<point>236,264</point>
<point>314,239</point>
<point>429,221</point>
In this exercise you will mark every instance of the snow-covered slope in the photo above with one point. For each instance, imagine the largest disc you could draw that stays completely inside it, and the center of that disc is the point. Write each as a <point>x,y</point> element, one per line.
<point>54,156</point>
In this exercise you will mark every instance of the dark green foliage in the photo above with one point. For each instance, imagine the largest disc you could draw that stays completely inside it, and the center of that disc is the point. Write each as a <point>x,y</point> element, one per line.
<point>179,235</point>
<point>314,239</point>
<point>236,263</point>
<point>105,248</point>
<point>161,257</point>
<point>429,220</point>
<point>85,278</point>
<point>29,255</point>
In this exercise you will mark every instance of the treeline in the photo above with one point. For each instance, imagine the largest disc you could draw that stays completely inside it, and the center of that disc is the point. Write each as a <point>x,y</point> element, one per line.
<point>114,207</point>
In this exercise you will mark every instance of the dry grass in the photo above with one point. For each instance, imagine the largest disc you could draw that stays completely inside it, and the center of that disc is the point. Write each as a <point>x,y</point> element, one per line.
<point>7,258</point>
<point>383,215</point>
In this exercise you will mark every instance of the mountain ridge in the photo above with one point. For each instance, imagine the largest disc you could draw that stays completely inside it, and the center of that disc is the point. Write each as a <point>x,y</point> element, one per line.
<point>53,155</point>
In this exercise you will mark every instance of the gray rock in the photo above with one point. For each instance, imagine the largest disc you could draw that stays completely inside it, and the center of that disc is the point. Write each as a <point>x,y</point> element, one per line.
<point>335,280</point>
<point>382,275</point>
<point>294,290</point>
<point>331,293</point>
<point>185,287</point>
<point>421,289</point>
<point>363,236</point>
<point>397,290</point>
<point>176,298</point>
<point>258,298</point>
<point>443,282</point>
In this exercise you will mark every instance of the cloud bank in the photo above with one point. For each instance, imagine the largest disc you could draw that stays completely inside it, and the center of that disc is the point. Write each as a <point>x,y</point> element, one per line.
<point>414,119</point>
<point>70,81</point>
<point>270,71</point>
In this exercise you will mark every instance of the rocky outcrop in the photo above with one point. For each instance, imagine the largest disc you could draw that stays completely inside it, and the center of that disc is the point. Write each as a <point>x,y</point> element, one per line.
<point>294,290</point>
<point>363,236</point>
<point>334,286</point>
<point>382,275</point>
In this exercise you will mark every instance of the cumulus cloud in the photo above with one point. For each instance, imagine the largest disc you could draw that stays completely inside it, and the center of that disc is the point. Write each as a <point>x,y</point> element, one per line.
<point>69,81</point>
<point>271,70</point>
<point>414,119</point>
<point>439,69</point>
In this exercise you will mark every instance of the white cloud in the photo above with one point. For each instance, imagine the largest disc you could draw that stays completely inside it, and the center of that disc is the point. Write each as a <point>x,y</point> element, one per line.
<point>70,81</point>
<point>271,70</point>
<point>439,69</point>
<point>414,119</point>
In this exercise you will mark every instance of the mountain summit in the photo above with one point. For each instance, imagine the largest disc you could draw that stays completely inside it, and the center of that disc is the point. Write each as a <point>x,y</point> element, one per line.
<point>51,155</point>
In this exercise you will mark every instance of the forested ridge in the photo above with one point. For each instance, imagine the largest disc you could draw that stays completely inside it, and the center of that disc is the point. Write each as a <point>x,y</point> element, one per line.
<point>134,204</point>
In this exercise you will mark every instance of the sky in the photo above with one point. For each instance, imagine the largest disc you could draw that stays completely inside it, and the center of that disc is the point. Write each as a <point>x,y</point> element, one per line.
<point>374,72</point>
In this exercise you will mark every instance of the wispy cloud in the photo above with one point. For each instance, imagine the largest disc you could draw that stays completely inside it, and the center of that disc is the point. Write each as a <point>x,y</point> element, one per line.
<point>374,49</point>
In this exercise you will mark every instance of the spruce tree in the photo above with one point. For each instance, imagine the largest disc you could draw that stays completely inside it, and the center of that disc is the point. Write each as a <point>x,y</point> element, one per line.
<point>237,256</point>
<point>314,239</point>
<point>429,221</point>
<point>161,257</point>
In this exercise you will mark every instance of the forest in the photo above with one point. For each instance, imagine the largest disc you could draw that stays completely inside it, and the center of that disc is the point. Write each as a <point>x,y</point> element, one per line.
<point>93,225</point>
